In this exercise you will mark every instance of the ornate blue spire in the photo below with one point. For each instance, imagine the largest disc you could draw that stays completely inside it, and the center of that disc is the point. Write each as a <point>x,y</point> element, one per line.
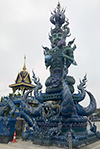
<point>58,16</point>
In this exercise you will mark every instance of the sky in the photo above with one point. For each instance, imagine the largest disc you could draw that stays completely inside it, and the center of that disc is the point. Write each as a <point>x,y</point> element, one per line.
<point>24,28</point>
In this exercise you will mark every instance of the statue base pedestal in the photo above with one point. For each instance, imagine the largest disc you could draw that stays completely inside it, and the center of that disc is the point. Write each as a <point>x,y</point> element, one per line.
<point>56,132</point>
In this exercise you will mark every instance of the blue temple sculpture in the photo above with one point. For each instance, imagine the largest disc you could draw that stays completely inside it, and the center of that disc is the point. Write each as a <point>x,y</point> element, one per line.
<point>7,123</point>
<point>59,111</point>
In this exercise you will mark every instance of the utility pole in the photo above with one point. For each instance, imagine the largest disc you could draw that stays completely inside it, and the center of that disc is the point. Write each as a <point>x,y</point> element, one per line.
<point>70,140</point>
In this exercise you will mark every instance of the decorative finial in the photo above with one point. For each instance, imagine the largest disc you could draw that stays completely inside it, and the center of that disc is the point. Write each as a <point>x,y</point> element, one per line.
<point>58,16</point>
<point>24,67</point>
<point>58,6</point>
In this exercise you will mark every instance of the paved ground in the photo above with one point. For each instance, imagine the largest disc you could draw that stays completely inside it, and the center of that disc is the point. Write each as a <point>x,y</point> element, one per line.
<point>25,145</point>
<point>29,145</point>
<point>95,145</point>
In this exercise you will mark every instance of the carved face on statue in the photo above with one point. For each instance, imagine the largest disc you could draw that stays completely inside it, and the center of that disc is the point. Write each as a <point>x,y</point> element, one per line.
<point>56,37</point>
<point>50,109</point>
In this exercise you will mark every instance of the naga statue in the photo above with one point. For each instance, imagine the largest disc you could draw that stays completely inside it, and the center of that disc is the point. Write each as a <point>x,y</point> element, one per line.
<point>59,110</point>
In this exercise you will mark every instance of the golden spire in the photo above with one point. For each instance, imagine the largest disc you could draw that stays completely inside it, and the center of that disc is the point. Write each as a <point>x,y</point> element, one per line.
<point>24,67</point>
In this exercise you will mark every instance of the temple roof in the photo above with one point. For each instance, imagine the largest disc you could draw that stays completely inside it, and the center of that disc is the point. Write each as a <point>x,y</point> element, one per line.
<point>23,80</point>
